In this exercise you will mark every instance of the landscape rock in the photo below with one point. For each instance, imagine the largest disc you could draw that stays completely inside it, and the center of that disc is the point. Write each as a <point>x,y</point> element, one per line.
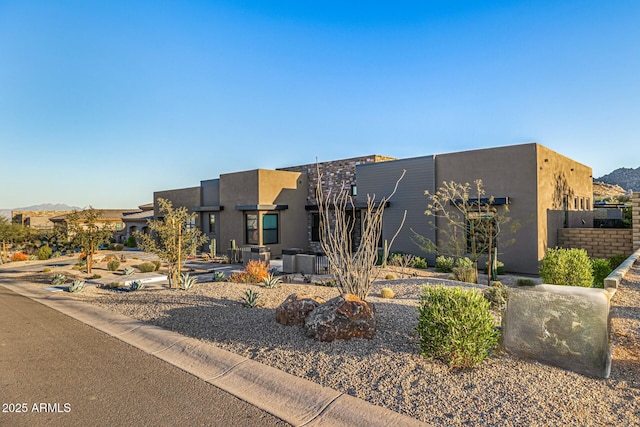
<point>295,309</point>
<point>343,317</point>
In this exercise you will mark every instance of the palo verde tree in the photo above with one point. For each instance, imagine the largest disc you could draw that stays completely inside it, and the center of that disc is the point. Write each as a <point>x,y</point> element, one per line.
<point>352,267</point>
<point>467,223</point>
<point>172,238</point>
<point>86,230</point>
<point>11,234</point>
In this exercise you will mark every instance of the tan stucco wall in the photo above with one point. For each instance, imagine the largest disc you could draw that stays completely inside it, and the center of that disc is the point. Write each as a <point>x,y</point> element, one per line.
<point>636,220</point>
<point>36,219</point>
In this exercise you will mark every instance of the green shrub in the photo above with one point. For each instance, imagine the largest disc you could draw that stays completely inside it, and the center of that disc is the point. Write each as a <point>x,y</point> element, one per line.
<point>525,282</point>
<point>444,264</point>
<point>157,263</point>
<point>113,285</point>
<point>464,271</point>
<point>455,326</point>
<point>601,269</point>
<point>496,295</point>
<point>118,247</point>
<point>566,267</point>
<point>44,252</point>
<point>616,260</point>
<point>395,258</point>
<point>146,267</point>
<point>499,267</point>
<point>131,242</point>
<point>113,265</point>
<point>419,262</point>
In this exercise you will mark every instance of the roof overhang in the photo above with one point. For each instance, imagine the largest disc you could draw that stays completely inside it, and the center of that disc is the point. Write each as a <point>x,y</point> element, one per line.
<point>261,207</point>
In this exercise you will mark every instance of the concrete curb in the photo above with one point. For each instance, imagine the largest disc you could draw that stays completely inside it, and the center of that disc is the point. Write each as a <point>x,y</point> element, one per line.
<point>612,281</point>
<point>295,400</point>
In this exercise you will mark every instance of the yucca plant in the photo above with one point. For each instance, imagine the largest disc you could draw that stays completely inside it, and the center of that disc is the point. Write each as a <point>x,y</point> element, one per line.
<point>128,271</point>
<point>251,298</point>
<point>219,276</point>
<point>76,286</point>
<point>59,279</point>
<point>187,281</point>
<point>136,285</point>
<point>271,281</point>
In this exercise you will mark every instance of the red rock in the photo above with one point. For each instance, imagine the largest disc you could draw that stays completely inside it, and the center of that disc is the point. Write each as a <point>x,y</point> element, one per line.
<point>295,309</point>
<point>343,317</point>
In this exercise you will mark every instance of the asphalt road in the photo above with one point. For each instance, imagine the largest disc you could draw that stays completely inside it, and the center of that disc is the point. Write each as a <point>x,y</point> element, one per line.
<point>60,372</point>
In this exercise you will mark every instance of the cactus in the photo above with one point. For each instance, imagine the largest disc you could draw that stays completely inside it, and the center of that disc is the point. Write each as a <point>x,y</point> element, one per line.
<point>59,279</point>
<point>136,285</point>
<point>233,244</point>
<point>251,298</point>
<point>219,276</point>
<point>212,248</point>
<point>76,286</point>
<point>187,281</point>
<point>387,293</point>
<point>271,281</point>
<point>128,271</point>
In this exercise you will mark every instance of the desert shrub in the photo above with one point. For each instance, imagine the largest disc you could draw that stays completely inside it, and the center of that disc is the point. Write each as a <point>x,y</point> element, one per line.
<point>46,270</point>
<point>444,264</point>
<point>566,267</point>
<point>136,285</point>
<point>389,277</point>
<point>187,281</point>
<point>525,282</point>
<point>419,262</point>
<point>601,269</point>
<point>455,326</point>
<point>113,285</point>
<point>96,276</point>
<point>76,286</point>
<point>44,252</point>
<point>118,247</point>
<point>157,264</point>
<point>496,295</point>
<point>395,259</point>
<point>387,293</point>
<point>616,260</point>
<point>464,271</point>
<point>59,279</point>
<point>56,254</point>
<point>251,298</point>
<point>146,267</point>
<point>255,272</point>
<point>113,265</point>
<point>329,283</point>
<point>20,256</point>
<point>499,267</point>
<point>131,242</point>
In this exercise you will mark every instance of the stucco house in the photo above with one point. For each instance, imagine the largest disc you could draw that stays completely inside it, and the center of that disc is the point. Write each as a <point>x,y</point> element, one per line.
<point>544,191</point>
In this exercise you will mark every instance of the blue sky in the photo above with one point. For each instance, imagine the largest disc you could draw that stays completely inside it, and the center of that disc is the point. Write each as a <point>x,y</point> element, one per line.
<point>101,103</point>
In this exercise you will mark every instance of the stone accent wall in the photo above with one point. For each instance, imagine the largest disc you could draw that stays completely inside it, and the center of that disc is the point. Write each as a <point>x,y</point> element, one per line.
<point>599,242</point>
<point>636,220</point>
<point>335,174</point>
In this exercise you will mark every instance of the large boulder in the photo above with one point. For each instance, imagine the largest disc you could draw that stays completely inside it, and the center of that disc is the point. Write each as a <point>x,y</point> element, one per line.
<point>343,317</point>
<point>295,309</point>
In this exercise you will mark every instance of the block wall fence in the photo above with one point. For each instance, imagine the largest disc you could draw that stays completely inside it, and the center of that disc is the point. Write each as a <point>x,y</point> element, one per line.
<point>605,242</point>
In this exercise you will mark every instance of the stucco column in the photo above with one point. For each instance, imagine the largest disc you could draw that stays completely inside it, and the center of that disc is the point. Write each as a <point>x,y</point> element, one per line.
<point>636,220</point>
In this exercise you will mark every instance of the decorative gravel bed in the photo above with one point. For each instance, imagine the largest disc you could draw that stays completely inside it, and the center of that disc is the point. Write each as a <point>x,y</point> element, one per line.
<point>388,370</point>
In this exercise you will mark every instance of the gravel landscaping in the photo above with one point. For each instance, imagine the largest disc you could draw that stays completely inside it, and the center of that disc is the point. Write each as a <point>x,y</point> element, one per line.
<point>388,370</point>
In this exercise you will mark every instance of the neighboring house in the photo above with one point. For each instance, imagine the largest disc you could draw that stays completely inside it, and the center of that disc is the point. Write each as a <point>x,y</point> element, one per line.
<point>543,190</point>
<point>110,217</point>
<point>137,220</point>
<point>40,220</point>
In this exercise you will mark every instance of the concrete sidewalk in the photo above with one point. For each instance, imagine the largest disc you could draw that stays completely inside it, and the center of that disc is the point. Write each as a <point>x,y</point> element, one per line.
<point>295,400</point>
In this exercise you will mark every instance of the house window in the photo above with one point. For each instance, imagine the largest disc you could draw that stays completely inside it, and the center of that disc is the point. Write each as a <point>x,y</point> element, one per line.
<point>212,223</point>
<point>575,203</point>
<point>270,229</point>
<point>251,227</point>
<point>481,232</point>
<point>588,204</point>
<point>315,227</point>
<point>118,226</point>
<point>354,190</point>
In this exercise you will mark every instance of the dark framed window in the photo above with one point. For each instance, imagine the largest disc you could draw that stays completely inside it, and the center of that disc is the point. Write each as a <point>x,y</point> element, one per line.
<point>251,229</point>
<point>212,223</point>
<point>481,230</point>
<point>270,229</point>
<point>315,227</point>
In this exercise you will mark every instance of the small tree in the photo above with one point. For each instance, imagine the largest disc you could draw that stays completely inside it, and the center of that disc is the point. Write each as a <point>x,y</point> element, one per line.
<point>467,223</point>
<point>172,239</point>
<point>352,267</point>
<point>10,234</point>
<point>87,232</point>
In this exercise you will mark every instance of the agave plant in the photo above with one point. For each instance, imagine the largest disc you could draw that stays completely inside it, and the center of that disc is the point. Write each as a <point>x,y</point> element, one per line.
<point>219,276</point>
<point>251,298</point>
<point>271,281</point>
<point>128,271</point>
<point>76,286</point>
<point>136,285</point>
<point>187,281</point>
<point>59,279</point>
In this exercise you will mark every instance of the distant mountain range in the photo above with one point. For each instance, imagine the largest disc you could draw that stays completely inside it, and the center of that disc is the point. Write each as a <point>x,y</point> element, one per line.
<point>41,207</point>
<point>627,178</point>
